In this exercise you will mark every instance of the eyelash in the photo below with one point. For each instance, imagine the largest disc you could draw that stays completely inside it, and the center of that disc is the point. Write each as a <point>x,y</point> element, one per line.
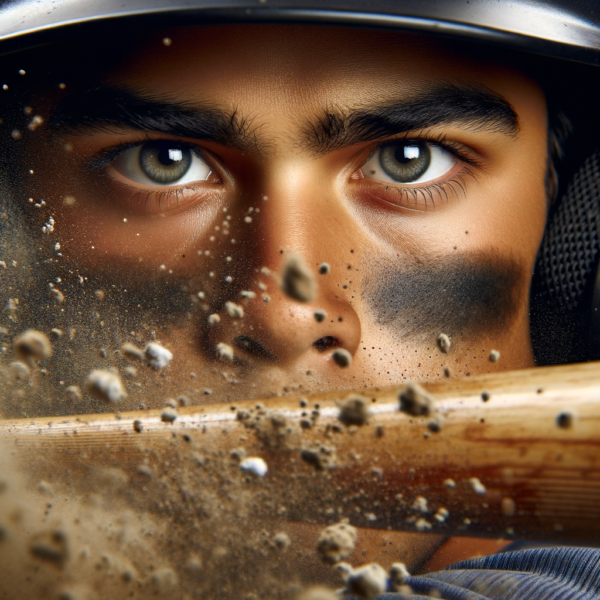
<point>443,189</point>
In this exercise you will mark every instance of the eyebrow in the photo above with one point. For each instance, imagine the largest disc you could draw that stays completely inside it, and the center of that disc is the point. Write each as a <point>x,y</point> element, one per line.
<point>106,109</point>
<point>471,107</point>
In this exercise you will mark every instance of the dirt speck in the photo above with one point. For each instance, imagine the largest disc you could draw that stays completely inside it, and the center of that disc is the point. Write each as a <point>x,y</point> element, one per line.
<point>367,582</point>
<point>255,466</point>
<point>336,542</point>
<point>494,356</point>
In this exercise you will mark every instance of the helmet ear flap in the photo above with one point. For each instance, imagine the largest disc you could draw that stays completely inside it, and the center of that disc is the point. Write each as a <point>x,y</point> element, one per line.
<point>565,325</point>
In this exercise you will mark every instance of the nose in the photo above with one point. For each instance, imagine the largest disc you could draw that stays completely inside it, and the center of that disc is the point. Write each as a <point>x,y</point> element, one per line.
<point>297,218</point>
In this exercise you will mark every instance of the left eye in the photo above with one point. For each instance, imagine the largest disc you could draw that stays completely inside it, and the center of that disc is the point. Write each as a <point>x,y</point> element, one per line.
<point>161,163</point>
<point>404,161</point>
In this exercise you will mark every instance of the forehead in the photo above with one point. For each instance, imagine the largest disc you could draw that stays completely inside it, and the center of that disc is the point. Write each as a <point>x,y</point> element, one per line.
<point>301,64</point>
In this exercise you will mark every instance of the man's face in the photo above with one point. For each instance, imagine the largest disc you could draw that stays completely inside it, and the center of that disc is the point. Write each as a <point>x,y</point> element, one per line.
<point>413,169</point>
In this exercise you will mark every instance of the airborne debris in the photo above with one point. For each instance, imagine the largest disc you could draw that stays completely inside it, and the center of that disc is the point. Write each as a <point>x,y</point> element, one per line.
<point>138,426</point>
<point>341,357</point>
<point>494,356</point>
<point>213,319</point>
<point>336,542</point>
<point>298,281</point>
<point>566,419</point>
<point>73,393</point>
<point>322,457</point>
<point>354,411</point>
<point>157,356</point>
<point>367,582</point>
<point>168,415</point>
<point>50,546</point>
<point>485,396</point>
<point>508,507</point>
<point>282,541</point>
<point>57,295</point>
<point>414,400</point>
<point>324,269</point>
<point>477,486</point>
<point>33,345</point>
<point>449,483</point>
<point>235,311</point>
<point>398,575</point>
<point>447,372</point>
<point>131,352</point>
<point>443,343</point>
<point>320,315</point>
<point>106,386</point>
<point>224,352</point>
<point>255,465</point>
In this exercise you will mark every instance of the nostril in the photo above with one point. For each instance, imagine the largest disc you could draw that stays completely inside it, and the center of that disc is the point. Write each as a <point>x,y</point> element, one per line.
<point>326,342</point>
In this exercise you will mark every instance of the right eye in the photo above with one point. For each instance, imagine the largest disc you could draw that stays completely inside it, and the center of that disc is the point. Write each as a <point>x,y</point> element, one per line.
<point>162,163</point>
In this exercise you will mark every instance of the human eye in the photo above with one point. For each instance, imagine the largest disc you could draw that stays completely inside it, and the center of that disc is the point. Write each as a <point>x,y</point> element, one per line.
<point>161,163</point>
<point>409,161</point>
<point>414,173</point>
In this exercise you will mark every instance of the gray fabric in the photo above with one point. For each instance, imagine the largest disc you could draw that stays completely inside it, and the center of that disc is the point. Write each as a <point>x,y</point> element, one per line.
<point>539,574</point>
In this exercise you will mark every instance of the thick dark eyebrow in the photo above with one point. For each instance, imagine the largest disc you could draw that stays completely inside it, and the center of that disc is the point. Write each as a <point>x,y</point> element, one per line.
<point>108,109</point>
<point>471,107</point>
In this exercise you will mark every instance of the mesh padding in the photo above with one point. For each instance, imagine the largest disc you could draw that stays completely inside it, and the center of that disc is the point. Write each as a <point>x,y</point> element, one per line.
<point>569,252</point>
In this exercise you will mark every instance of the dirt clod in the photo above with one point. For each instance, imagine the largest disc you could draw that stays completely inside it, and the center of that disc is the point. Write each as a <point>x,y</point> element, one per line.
<point>106,386</point>
<point>298,281</point>
<point>443,343</point>
<point>414,400</point>
<point>33,345</point>
<point>342,358</point>
<point>354,411</point>
<point>336,542</point>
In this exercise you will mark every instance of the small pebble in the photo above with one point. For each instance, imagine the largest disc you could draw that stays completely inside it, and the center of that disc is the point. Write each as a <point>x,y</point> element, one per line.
<point>168,415</point>
<point>320,315</point>
<point>494,356</point>
<point>477,486</point>
<point>297,280</point>
<point>336,542</point>
<point>254,465</point>
<point>443,343</point>
<point>157,356</point>
<point>33,345</point>
<point>235,311</point>
<point>354,411</point>
<point>566,419</point>
<point>106,386</point>
<point>415,401</point>
<point>367,582</point>
<point>224,352</point>
<point>73,393</point>
<point>131,352</point>
<point>485,396</point>
<point>324,269</point>
<point>214,319</point>
<point>341,357</point>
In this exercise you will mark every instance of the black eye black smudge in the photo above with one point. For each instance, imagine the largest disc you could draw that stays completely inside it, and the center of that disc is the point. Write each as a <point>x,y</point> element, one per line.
<point>460,295</point>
